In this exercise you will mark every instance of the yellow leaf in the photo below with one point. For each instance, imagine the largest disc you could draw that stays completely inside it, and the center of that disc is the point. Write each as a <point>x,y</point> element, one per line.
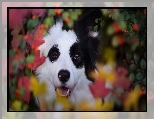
<point>105,72</point>
<point>16,105</point>
<point>84,106</point>
<point>67,105</point>
<point>132,100</point>
<point>106,106</point>
<point>36,87</point>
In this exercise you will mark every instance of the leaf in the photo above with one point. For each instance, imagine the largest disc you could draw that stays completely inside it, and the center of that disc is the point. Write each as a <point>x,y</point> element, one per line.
<point>27,72</point>
<point>143,64</point>
<point>17,105</point>
<point>12,53</point>
<point>133,67</point>
<point>139,76</point>
<point>137,87</point>
<point>132,100</point>
<point>122,24</point>
<point>16,41</point>
<point>24,82</point>
<point>70,23</point>
<point>115,42</point>
<point>102,23</point>
<point>51,12</point>
<point>136,57</point>
<point>65,14</point>
<point>36,87</point>
<point>110,30</point>
<point>96,20</point>
<point>32,23</point>
<point>119,91</point>
<point>22,44</point>
<point>132,77</point>
<point>98,89</point>
<point>30,59</point>
<point>15,64</point>
<point>48,21</point>
<point>37,61</point>
<point>95,28</point>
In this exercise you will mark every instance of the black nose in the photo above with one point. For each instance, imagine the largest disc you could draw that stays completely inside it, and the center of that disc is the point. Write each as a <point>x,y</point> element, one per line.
<point>64,75</point>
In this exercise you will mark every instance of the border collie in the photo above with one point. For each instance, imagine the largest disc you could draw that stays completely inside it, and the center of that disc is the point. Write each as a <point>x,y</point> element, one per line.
<point>71,55</point>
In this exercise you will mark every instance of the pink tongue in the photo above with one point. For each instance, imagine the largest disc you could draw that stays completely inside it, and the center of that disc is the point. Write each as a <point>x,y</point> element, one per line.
<point>63,91</point>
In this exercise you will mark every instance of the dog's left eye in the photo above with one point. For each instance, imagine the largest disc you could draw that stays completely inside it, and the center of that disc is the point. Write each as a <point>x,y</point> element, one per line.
<point>77,56</point>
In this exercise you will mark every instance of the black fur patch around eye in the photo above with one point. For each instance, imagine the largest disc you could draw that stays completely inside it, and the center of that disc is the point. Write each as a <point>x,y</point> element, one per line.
<point>76,55</point>
<point>53,53</point>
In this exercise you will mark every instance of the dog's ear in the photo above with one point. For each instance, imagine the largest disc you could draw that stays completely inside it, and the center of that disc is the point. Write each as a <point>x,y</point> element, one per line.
<point>88,22</point>
<point>88,37</point>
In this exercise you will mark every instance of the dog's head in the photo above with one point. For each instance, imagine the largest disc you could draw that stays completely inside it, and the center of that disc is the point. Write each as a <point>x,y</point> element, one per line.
<point>70,54</point>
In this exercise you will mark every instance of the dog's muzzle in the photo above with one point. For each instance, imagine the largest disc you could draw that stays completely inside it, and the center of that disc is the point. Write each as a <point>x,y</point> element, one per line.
<point>64,91</point>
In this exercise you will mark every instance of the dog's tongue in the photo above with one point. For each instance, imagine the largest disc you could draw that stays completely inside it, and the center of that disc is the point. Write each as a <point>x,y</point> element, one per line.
<point>63,91</point>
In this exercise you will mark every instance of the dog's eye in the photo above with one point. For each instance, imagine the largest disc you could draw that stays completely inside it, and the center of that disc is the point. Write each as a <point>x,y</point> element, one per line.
<point>77,56</point>
<point>54,54</point>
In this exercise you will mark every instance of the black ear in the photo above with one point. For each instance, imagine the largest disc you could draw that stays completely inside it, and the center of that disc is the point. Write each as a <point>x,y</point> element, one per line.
<point>85,25</point>
<point>89,42</point>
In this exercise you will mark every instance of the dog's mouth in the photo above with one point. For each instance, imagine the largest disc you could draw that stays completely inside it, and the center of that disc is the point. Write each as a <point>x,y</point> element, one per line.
<point>63,91</point>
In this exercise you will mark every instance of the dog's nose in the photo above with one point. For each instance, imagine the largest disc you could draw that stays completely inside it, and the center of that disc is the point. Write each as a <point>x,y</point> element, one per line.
<point>64,75</point>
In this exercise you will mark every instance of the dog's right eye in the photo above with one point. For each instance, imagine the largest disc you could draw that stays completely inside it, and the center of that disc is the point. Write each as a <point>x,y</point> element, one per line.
<point>53,54</point>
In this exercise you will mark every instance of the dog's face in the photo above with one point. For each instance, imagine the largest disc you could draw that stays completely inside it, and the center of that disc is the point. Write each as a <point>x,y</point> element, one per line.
<point>70,55</point>
<point>64,62</point>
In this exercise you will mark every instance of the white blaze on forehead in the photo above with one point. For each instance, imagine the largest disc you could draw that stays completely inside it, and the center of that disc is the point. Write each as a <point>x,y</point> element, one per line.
<point>64,39</point>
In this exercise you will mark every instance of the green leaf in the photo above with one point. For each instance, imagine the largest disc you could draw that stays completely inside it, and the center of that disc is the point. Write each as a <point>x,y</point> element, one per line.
<point>22,44</point>
<point>30,59</point>
<point>74,16</point>
<point>143,64</point>
<point>51,12</point>
<point>12,53</point>
<point>132,77</point>
<point>65,14</point>
<point>27,72</point>
<point>15,64</point>
<point>139,76</point>
<point>96,20</point>
<point>102,23</point>
<point>95,28</point>
<point>49,21</point>
<point>70,23</point>
<point>119,91</point>
<point>104,11</point>
<point>136,57</point>
<point>137,87</point>
<point>32,23</point>
<point>122,24</point>
<point>110,30</point>
<point>133,67</point>
<point>115,42</point>
<point>22,91</point>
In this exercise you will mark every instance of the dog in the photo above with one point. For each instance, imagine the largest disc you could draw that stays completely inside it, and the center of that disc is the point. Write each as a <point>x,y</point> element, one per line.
<point>71,55</point>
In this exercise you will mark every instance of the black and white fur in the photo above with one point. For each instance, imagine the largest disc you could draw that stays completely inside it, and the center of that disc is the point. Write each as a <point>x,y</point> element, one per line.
<point>71,55</point>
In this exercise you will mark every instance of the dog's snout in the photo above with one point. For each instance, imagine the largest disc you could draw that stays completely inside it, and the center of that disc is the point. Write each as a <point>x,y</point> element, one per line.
<point>64,75</point>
